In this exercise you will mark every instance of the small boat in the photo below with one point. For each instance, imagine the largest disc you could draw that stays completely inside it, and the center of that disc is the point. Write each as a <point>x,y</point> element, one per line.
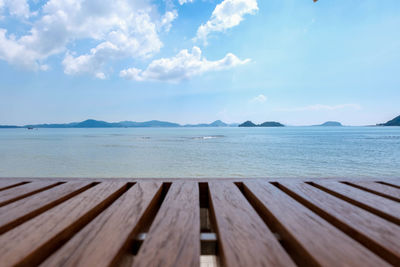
<point>30,128</point>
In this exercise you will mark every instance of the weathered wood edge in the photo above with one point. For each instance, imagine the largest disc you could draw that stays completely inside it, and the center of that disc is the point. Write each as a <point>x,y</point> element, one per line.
<point>198,179</point>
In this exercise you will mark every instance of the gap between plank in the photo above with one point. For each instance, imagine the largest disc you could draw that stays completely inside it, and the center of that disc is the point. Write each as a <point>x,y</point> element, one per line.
<point>51,246</point>
<point>371,191</point>
<point>292,247</point>
<point>30,193</point>
<point>388,184</point>
<point>348,230</point>
<point>132,247</point>
<point>44,208</point>
<point>14,185</point>
<point>356,203</point>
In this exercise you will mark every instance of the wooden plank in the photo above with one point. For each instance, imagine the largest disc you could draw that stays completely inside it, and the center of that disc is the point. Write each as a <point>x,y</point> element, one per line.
<point>174,236</point>
<point>393,183</point>
<point>244,238</point>
<point>16,193</point>
<point>101,241</point>
<point>379,189</point>
<point>24,209</point>
<point>374,232</point>
<point>381,206</point>
<point>314,239</point>
<point>6,184</point>
<point>31,242</point>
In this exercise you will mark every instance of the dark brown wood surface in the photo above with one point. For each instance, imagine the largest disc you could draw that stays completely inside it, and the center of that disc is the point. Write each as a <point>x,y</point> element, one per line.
<point>313,238</point>
<point>5,184</point>
<point>381,206</point>
<point>103,239</point>
<point>16,193</point>
<point>156,222</point>
<point>374,232</point>
<point>381,189</point>
<point>393,183</point>
<point>26,208</point>
<point>244,238</point>
<point>174,236</point>
<point>29,243</point>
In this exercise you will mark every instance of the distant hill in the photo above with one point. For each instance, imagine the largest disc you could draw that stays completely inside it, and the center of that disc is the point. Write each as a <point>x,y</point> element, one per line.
<point>271,124</point>
<point>8,126</point>
<point>248,124</point>
<point>93,124</point>
<point>217,123</point>
<point>394,122</point>
<point>264,124</point>
<point>330,123</point>
<point>104,124</point>
<point>122,124</point>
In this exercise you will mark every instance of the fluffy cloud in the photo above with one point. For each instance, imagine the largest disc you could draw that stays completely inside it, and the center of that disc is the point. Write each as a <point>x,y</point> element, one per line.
<point>226,15</point>
<point>180,67</point>
<point>167,19</point>
<point>16,54</point>
<point>17,8</point>
<point>119,29</point>
<point>114,31</point>
<point>92,63</point>
<point>185,1</point>
<point>144,42</point>
<point>259,99</point>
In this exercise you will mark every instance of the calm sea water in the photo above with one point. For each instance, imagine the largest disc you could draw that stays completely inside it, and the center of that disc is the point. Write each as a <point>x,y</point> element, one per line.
<point>201,152</point>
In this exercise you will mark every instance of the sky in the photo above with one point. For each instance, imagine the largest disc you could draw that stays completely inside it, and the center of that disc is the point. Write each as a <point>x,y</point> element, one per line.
<point>192,61</point>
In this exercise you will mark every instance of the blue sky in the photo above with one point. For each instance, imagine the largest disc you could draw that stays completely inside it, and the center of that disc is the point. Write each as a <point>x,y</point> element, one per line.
<point>296,62</point>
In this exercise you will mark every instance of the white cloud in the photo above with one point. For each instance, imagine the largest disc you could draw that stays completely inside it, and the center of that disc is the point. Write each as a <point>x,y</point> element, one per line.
<point>180,67</point>
<point>17,8</point>
<point>144,43</point>
<point>319,107</point>
<point>114,30</point>
<point>120,29</point>
<point>259,99</point>
<point>16,54</point>
<point>90,63</point>
<point>166,21</point>
<point>185,1</point>
<point>226,15</point>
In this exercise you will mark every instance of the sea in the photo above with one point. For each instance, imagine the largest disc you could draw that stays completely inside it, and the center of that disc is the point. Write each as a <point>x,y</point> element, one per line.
<point>284,152</point>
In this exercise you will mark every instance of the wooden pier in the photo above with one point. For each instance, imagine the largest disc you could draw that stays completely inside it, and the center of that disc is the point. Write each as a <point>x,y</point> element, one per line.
<point>193,222</point>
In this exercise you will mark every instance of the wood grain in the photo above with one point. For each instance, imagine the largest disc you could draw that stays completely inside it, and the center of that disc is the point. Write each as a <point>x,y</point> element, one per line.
<point>393,183</point>
<point>103,239</point>
<point>372,231</point>
<point>29,243</point>
<point>323,244</point>
<point>24,209</point>
<point>61,222</point>
<point>380,189</point>
<point>5,184</point>
<point>381,206</point>
<point>244,238</point>
<point>174,236</point>
<point>16,193</point>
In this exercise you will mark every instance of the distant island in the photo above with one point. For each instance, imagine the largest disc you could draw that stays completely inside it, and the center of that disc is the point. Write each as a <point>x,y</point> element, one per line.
<point>8,127</point>
<point>264,124</point>
<point>122,124</point>
<point>156,123</point>
<point>393,122</point>
<point>330,123</point>
<point>217,123</point>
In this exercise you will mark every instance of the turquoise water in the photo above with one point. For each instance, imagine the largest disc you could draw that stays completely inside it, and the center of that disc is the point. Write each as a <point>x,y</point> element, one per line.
<point>201,152</point>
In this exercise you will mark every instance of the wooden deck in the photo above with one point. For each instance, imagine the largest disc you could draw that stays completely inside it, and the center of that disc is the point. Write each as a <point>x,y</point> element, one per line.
<point>193,222</point>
